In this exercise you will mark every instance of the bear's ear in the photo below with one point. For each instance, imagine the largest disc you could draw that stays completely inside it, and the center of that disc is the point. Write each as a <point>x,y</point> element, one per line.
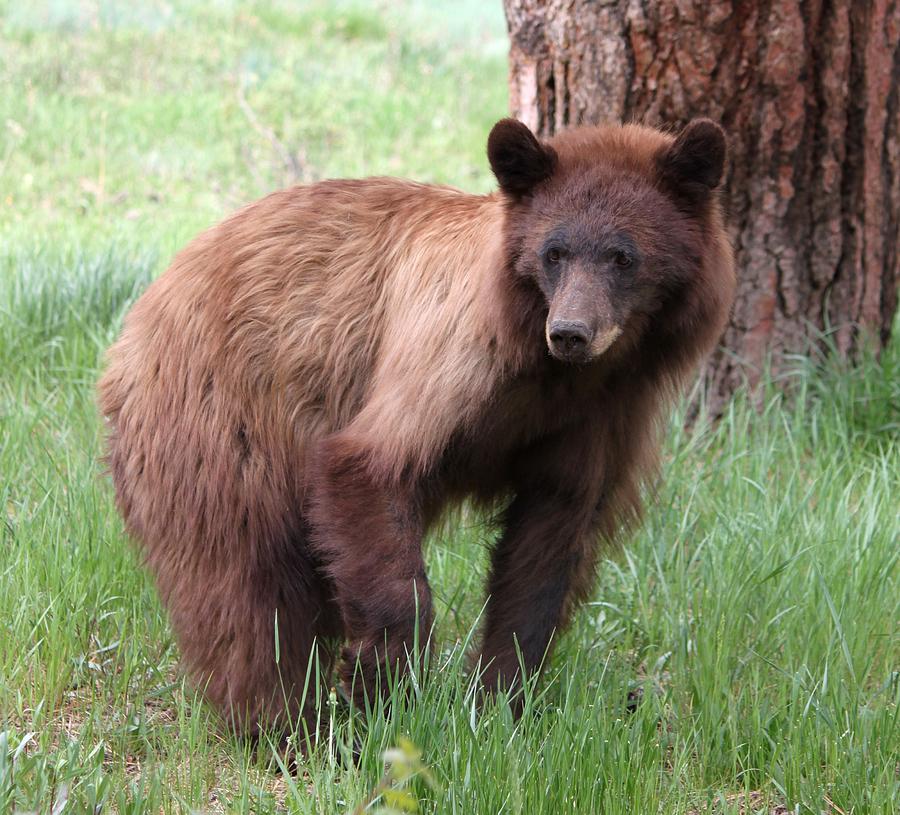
<point>517,158</point>
<point>692,167</point>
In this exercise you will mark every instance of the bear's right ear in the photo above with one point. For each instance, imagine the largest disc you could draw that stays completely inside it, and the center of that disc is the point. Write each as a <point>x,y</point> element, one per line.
<point>692,167</point>
<point>518,159</point>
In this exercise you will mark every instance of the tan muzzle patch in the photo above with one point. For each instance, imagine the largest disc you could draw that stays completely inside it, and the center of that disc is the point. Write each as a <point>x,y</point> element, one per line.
<point>604,339</point>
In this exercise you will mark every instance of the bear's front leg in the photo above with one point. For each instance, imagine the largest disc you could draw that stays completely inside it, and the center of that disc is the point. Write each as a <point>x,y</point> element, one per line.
<point>543,562</point>
<point>368,533</point>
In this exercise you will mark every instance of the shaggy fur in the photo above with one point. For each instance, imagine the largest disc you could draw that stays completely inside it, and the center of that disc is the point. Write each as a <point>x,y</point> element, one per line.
<point>296,400</point>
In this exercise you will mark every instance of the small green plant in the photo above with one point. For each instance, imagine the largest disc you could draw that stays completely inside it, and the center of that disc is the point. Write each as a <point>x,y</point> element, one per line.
<point>394,793</point>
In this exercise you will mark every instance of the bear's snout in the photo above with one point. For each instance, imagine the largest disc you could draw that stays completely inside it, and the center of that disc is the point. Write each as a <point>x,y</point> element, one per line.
<point>569,340</point>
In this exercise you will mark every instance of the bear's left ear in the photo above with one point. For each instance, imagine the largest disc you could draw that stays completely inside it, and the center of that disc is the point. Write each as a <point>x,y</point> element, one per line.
<point>692,167</point>
<point>517,158</point>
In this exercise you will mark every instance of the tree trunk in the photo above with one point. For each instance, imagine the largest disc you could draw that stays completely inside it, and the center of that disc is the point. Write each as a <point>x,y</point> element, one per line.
<point>808,94</point>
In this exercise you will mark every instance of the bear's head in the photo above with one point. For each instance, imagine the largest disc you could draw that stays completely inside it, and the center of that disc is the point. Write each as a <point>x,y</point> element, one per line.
<point>612,228</point>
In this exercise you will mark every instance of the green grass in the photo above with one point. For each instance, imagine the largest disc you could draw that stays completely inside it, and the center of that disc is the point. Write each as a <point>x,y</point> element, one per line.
<point>742,654</point>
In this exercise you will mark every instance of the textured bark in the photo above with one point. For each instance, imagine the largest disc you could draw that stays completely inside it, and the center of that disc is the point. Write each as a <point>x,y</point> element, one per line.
<point>808,93</point>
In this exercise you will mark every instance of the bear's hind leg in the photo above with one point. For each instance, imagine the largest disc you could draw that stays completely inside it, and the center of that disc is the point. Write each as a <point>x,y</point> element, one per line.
<point>257,640</point>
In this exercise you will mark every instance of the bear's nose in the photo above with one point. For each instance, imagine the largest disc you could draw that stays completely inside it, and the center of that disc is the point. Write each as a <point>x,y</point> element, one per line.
<point>568,337</point>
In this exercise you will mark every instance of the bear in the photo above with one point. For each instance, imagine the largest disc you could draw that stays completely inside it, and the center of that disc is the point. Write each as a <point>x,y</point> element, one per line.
<point>300,397</point>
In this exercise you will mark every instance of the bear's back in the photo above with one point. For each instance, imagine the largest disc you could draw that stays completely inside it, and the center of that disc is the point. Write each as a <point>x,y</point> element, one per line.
<point>268,331</point>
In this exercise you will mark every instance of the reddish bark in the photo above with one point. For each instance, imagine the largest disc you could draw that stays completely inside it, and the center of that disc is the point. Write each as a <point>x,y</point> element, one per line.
<point>808,93</point>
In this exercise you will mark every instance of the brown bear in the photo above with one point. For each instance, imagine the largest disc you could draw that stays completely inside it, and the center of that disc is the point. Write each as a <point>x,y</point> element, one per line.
<point>313,381</point>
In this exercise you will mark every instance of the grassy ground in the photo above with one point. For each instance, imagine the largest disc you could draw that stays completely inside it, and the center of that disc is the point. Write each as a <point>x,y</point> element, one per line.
<point>742,655</point>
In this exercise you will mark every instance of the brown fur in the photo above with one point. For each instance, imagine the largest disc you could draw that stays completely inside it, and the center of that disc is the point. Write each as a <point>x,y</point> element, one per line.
<point>300,395</point>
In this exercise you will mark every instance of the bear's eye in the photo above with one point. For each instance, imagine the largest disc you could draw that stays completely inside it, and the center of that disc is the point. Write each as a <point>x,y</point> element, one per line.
<point>554,255</point>
<point>623,260</point>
